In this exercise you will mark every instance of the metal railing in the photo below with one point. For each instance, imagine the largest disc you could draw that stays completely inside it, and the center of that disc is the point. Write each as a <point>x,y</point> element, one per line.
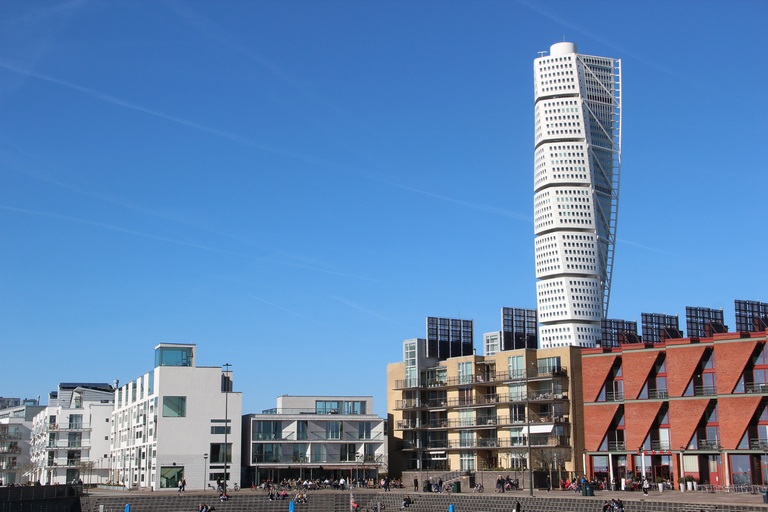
<point>657,394</point>
<point>484,378</point>
<point>705,391</point>
<point>660,445</point>
<point>614,396</point>
<point>756,387</point>
<point>709,444</point>
<point>617,446</point>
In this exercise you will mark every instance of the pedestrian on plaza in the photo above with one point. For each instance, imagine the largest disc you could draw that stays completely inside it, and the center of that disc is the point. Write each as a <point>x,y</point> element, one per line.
<point>518,508</point>
<point>549,483</point>
<point>416,484</point>
<point>646,486</point>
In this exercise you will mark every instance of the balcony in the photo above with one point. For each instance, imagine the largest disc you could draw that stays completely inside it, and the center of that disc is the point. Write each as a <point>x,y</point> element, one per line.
<point>705,391</point>
<point>614,396</point>
<point>756,387</point>
<point>660,445</point>
<point>548,395</point>
<point>709,444</point>
<point>758,444</point>
<point>658,394</point>
<point>9,436</point>
<point>617,446</point>
<point>548,372</point>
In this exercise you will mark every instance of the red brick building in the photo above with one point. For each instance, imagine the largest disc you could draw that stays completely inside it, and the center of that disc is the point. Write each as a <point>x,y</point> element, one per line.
<point>687,406</point>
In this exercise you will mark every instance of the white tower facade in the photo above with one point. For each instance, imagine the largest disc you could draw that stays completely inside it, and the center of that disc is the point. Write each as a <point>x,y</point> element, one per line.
<point>577,164</point>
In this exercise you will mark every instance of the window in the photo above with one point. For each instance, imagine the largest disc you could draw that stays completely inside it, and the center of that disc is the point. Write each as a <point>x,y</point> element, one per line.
<point>333,430</point>
<point>364,430</point>
<point>319,453</point>
<point>301,429</point>
<point>174,406</point>
<point>218,452</point>
<point>267,430</point>
<point>76,421</point>
<point>215,429</point>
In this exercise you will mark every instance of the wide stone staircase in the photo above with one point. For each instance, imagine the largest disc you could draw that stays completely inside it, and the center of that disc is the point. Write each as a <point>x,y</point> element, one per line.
<point>423,502</point>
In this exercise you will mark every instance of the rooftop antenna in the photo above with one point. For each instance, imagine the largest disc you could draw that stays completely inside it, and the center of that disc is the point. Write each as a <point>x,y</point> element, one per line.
<point>541,53</point>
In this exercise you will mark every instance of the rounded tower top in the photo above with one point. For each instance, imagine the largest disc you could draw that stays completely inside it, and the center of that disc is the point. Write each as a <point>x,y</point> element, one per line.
<point>562,48</point>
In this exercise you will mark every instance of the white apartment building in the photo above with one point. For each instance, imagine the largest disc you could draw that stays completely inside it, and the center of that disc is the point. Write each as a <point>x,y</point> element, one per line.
<point>314,437</point>
<point>577,164</point>
<point>70,436</point>
<point>15,443</point>
<point>177,422</point>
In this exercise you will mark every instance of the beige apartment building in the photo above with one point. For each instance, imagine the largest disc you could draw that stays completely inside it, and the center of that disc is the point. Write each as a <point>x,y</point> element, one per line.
<point>481,413</point>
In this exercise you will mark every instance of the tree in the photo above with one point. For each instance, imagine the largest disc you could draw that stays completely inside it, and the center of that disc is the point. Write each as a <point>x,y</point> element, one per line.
<point>552,457</point>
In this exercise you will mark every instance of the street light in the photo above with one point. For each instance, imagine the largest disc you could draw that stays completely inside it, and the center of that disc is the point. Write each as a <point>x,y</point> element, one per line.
<point>528,430</point>
<point>226,423</point>
<point>205,470</point>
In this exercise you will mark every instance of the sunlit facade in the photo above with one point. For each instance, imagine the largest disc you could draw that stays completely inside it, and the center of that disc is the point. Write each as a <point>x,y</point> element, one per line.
<point>577,162</point>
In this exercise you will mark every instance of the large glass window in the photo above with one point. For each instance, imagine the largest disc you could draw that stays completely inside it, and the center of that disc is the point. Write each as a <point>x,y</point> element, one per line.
<point>76,421</point>
<point>173,356</point>
<point>348,452</point>
<point>740,470</point>
<point>467,461</point>
<point>465,373</point>
<point>174,406</point>
<point>268,430</point>
<point>301,429</point>
<point>328,406</point>
<point>267,453</point>
<point>319,453</point>
<point>218,452</point>
<point>333,430</point>
<point>364,430</point>
<point>516,367</point>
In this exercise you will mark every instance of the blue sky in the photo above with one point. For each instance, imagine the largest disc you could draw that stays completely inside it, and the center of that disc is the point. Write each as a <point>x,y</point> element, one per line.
<point>295,186</point>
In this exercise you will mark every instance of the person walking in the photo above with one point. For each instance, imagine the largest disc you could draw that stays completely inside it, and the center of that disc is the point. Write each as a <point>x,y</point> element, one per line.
<point>549,483</point>
<point>646,486</point>
<point>416,484</point>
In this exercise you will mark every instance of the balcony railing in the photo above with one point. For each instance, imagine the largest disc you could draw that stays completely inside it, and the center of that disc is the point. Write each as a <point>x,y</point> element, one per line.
<point>758,444</point>
<point>756,387</point>
<point>479,422</point>
<point>705,391</point>
<point>709,444</point>
<point>617,446</point>
<point>660,445</point>
<point>6,435</point>
<point>536,440</point>
<point>658,394</point>
<point>484,378</point>
<point>614,396</point>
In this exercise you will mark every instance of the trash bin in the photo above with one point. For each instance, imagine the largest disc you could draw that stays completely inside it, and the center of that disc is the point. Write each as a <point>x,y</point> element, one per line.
<point>765,496</point>
<point>584,490</point>
<point>590,490</point>
<point>456,487</point>
<point>427,487</point>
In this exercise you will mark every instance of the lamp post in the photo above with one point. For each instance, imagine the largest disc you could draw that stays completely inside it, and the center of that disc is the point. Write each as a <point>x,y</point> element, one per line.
<point>205,470</point>
<point>528,430</point>
<point>226,422</point>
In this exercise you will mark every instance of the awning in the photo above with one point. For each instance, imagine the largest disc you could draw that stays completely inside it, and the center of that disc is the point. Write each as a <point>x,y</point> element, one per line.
<point>538,429</point>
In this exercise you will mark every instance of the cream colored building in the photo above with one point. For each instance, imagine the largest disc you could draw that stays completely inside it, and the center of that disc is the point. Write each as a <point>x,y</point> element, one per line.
<point>476,413</point>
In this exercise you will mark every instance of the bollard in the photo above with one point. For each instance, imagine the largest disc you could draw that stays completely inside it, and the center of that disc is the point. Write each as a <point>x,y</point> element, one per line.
<point>451,508</point>
<point>290,506</point>
<point>127,508</point>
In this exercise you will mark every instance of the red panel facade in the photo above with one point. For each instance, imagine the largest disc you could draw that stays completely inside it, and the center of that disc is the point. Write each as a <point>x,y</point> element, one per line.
<point>594,371</point>
<point>636,366</point>
<point>735,415</point>
<point>730,360</point>
<point>682,361</point>
<point>684,416</point>
<point>597,420</point>
<point>638,418</point>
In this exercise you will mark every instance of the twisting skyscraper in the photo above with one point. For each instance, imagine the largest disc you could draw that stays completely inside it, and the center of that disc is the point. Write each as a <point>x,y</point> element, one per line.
<point>577,162</point>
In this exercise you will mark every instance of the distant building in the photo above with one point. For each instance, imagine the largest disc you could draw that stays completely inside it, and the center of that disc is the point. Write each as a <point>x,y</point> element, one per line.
<point>16,443</point>
<point>177,422</point>
<point>71,434</point>
<point>577,163</point>
<point>449,337</point>
<point>519,329</point>
<point>314,437</point>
